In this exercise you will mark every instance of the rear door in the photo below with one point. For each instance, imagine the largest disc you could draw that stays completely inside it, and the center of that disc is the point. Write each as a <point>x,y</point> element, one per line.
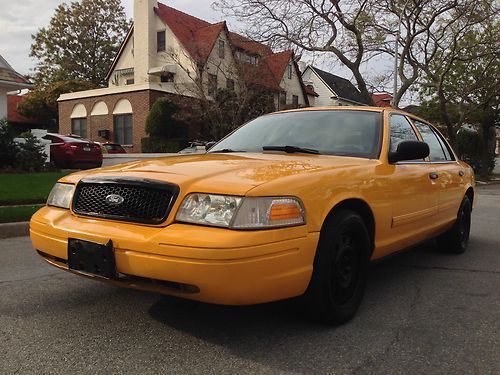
<point>448,174</point>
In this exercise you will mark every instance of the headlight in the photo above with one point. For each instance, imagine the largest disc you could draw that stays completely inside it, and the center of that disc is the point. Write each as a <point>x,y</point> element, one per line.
<point>61,195</point>
<point>208,209</point>
<point>241,213</point>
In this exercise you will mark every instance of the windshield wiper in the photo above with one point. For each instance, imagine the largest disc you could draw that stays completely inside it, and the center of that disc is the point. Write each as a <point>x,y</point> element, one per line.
<point>291,149</point>
<point>224,151</point>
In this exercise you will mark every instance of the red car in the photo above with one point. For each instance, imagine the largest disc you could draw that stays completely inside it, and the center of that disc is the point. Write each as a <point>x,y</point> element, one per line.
<point>112,148</point>
<point>67,151</point>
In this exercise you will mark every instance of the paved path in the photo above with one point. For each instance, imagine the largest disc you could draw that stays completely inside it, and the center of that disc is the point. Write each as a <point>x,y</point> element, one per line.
<point>424,312</point>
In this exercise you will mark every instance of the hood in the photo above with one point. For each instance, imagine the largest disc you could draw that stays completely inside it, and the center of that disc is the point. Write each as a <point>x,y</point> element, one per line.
<point>223,173</point>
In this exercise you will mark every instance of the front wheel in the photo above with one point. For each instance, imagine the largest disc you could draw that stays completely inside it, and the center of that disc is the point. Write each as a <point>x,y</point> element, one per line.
<point>340,269</point>
<point>456,240</point>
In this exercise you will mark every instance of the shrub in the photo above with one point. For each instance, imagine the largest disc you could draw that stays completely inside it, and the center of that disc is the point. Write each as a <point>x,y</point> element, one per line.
<point>162,121</point>
<point>470,150</point>
<point>162,145</point>
<point>30,154</point>
<point>8,148</point>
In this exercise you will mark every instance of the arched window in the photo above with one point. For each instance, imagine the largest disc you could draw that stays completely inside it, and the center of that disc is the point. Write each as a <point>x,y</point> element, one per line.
<point>99,119</point>
<point>79,120</point>
<point>122,123</point>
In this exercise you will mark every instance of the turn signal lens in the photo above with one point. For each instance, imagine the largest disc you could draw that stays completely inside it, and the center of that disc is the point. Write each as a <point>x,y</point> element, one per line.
<point>284,211</point>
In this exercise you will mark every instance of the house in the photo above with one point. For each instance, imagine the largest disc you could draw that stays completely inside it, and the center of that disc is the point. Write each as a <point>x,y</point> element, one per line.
<point>383,99</point>
<point>328,89</point>
<point>170,53</point>
<point>10,80</point>
<point>20,122</point>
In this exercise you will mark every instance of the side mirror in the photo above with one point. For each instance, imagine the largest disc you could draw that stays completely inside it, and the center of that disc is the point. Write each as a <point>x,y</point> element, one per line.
<point>409,150</point>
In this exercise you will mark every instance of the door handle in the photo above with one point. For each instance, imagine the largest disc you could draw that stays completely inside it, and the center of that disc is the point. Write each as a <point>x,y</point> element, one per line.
<point>461,173</point>
<point>433,176</point>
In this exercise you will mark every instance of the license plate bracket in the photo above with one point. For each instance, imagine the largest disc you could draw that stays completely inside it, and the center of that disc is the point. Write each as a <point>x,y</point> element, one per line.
<point>92,258</point>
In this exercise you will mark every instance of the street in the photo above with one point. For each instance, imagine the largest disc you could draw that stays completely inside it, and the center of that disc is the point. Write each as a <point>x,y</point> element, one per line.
<point>423,312</point>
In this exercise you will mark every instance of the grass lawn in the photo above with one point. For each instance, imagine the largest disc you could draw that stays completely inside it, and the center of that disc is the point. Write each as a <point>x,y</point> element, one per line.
<point>18,213</point>
<point>26,188</point>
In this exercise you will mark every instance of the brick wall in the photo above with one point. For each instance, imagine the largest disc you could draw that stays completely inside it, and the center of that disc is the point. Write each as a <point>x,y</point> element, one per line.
<point>141,102</point>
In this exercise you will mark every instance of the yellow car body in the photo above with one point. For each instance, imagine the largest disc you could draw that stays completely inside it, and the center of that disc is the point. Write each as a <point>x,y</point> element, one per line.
<point>400,204</point>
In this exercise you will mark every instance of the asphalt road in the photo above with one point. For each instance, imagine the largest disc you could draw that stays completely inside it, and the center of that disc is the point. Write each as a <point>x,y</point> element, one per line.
<point>424,312</point>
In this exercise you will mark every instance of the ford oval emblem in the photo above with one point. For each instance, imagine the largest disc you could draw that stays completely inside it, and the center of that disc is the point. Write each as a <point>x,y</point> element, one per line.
<point>114,199</point>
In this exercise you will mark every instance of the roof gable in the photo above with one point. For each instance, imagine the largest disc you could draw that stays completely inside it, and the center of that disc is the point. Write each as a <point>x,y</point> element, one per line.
<point>341,87</point>
<point>8,74</point>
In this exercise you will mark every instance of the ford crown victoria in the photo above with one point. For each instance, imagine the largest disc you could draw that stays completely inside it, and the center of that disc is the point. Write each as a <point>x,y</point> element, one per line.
<point>291,204</point>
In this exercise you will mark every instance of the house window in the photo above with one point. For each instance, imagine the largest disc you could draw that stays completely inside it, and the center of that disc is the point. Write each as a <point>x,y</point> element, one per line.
<point>230,84</point>
<point>79,127</point>
<point>212,84</point>
<point>282,99</point>
<point>130,81</point>
<point>160,41</point>
<point>221,49</point>
<point>123,129</point>
<point>290,71</point>
<point>295,101</point>
<point>167,77</point>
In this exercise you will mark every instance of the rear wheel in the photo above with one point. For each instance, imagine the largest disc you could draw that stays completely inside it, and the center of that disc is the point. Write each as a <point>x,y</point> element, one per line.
<point>456,240</point>
<point>340,269</point>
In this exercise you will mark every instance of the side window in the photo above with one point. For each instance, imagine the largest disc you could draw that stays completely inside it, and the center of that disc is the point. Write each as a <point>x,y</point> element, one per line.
<point>437,152</point>
<point>401,130</point>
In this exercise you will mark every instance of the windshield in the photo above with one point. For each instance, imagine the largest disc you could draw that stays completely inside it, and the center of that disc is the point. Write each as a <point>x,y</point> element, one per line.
<point>335,132</point>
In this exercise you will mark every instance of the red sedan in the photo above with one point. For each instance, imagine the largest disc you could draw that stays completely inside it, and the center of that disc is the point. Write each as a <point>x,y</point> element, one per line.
<point>67,151</point>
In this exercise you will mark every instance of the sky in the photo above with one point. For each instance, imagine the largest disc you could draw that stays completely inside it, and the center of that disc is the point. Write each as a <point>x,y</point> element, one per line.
<point>19,19</point>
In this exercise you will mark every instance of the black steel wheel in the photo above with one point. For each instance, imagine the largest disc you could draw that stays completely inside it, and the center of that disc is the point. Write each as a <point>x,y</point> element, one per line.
<point>340,269</point>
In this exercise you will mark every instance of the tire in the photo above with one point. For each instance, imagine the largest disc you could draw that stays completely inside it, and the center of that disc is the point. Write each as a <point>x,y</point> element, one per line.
<point>456,240</point>
<point>340,269</point>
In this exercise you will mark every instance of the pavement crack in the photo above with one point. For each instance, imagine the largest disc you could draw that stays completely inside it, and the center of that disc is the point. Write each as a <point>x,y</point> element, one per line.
<point>442,268</point>
<point>29,278</point>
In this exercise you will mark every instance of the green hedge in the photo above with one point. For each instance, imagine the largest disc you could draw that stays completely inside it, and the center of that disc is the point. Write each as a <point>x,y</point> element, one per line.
<point>161,145</point>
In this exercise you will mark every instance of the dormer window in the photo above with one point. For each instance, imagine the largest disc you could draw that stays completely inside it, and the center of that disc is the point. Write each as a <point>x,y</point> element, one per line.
<point>160,41</point>
<point>221,49</point>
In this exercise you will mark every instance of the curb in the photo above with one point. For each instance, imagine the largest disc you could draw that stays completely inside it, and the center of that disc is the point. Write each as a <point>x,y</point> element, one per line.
<point>10,230</point>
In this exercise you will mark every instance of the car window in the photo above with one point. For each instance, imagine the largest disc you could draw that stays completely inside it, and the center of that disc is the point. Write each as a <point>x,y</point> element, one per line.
<point>436,150</point>
<point>401,130</point>
<point>344,133</point>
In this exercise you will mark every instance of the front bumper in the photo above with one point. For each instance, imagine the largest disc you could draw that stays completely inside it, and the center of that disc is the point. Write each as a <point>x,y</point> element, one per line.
<point>206,264</point>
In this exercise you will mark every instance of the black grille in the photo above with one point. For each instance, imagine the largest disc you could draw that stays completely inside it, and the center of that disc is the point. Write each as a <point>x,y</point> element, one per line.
<point>144,201</point>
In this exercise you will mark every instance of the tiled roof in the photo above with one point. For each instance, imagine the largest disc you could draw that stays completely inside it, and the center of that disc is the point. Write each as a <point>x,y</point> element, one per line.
<point>382,99</point>
<point>239,41</point>
<point>13,116</point>
<point>342,87</point>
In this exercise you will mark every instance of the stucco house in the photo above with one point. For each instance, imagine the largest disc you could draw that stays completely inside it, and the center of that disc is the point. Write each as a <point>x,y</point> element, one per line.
<point>170,53</point>
<point>329,89</point>
<point>10,80</point>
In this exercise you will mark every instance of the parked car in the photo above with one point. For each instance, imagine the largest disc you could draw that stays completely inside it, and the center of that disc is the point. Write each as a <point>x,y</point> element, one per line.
<point>70,151</point>
<point>292,204</point>
<point>112,148</point>
<point>197,147</point>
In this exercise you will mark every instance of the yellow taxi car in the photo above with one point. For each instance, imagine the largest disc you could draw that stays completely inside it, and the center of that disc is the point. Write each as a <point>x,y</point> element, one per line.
<point>291,204</point>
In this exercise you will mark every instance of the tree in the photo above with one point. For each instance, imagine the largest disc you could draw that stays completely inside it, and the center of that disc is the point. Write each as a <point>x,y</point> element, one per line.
<point>162,120</point>
<point>468,88</point>
<point>80,42</point>
<point>41,103</point>
<point>344,31</point>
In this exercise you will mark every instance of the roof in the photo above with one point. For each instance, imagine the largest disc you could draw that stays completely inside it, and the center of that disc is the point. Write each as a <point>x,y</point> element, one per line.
<point>342,87</point>
<point>196,35</point>
<point>382,99</point>
<point>9,75</point>
<point>13,116</point>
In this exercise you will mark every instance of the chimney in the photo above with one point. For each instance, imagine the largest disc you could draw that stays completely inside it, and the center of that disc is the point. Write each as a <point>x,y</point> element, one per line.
<point>144,38</point>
